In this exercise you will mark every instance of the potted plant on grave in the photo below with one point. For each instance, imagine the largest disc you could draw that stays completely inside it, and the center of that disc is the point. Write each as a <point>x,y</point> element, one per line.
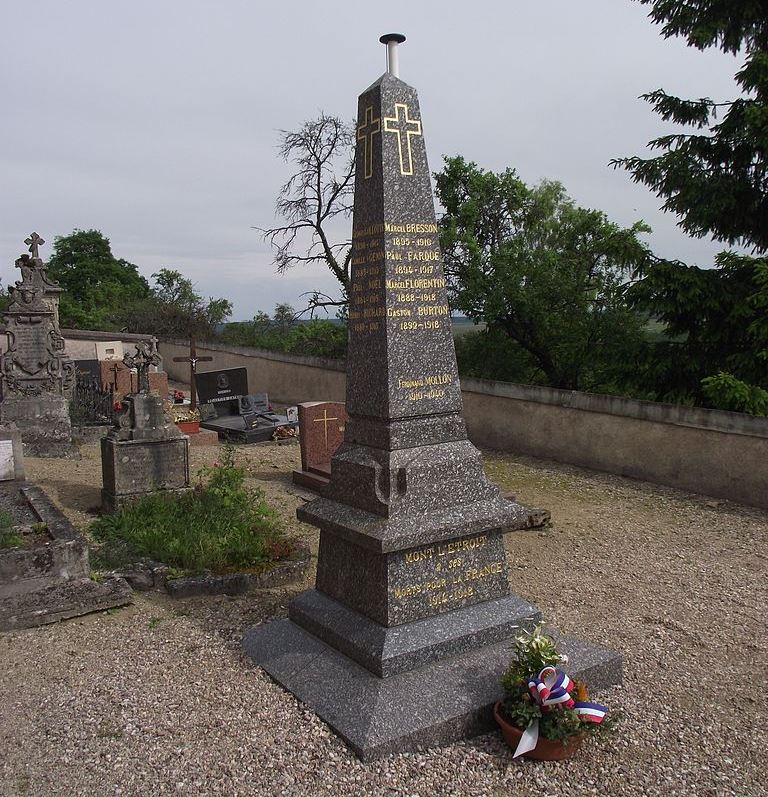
<point>187,419</point>
<point>544,714</point>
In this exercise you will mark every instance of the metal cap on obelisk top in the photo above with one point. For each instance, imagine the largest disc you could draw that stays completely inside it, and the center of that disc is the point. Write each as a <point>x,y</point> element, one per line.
<point>392,40</point>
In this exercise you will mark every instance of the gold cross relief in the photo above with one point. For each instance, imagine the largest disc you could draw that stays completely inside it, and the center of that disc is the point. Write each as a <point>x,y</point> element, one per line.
<point>325,420</point>
<point>403,127</point>
<point>365,133</point>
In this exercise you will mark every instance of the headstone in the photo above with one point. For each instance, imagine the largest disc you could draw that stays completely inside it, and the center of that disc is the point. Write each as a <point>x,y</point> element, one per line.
<point>217,387</point>
<point>11,455</point>
<point>109,350</point>
<point>321,432</point>
<point>88,369</point>
<point>403,641</point>
<point>116,376</point>
<point>144,452</point>
<point>36,374</point>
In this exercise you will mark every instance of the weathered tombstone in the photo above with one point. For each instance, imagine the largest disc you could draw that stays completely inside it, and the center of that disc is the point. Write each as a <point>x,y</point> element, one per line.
<point>144,452</point>
<point>403,640</point>
<point>321,432</point>
<point>11,455</point>
<point>35,372</point>
<point>109,350</point>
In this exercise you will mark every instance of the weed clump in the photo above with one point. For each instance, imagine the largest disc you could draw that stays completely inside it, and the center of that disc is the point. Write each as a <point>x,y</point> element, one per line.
<point>221,526</point>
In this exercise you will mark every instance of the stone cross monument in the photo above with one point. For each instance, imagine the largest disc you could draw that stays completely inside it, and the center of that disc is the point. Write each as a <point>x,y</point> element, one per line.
<point>35,372</point>
<point>402,642</point>
<point>144,452</point>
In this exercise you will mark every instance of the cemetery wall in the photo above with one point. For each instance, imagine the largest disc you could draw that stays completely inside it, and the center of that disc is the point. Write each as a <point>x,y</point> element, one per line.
<point>716,453</point>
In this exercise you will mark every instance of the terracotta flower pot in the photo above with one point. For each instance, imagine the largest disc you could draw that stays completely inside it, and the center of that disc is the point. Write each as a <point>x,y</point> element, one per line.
<point>546,749</point>
<point>189,427</point>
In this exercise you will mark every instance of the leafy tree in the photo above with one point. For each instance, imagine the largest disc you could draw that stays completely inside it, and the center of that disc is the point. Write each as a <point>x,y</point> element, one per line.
<point>549,275</point>
<point>175,309</point>
<point>284,332</point>
<point>319,191</point>
<point>717,182</point>
<point>97,285</point>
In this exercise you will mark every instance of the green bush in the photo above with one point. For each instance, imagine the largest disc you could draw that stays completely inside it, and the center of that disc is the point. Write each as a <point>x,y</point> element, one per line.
<point>221,526</point>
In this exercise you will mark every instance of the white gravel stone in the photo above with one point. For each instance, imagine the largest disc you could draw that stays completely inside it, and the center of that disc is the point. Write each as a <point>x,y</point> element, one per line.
<point>157,699</point>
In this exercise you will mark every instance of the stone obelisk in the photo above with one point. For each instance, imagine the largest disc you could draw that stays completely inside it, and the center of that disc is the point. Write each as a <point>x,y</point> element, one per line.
<point>403,640</point>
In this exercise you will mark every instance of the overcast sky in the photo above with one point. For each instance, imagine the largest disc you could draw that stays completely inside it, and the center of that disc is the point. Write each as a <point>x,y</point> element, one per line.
<point>157,121</point>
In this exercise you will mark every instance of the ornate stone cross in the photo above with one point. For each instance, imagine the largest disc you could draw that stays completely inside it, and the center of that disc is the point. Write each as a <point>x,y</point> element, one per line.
<point>403,127</point>
<point>34,242</point>
<point>141,361</point>
<point>193,360</point>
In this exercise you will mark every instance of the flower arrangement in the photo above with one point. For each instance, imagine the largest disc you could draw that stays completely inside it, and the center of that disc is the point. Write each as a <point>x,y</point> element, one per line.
<point>542,704</point>
<point>178,396</point>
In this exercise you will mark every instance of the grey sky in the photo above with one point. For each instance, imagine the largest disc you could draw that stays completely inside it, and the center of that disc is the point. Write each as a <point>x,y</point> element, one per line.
<point>157,122</point>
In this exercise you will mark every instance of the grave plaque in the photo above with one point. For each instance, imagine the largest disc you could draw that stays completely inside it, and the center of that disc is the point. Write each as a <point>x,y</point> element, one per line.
<point>229,384</point>
<point>412,578</point>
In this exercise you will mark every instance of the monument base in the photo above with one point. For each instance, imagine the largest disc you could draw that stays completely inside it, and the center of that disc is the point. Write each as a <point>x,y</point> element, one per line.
<point>436,704</point>
<point>44,423</point>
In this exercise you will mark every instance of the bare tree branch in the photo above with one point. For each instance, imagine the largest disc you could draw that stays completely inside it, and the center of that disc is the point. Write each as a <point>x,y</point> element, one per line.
<point>320,190</point>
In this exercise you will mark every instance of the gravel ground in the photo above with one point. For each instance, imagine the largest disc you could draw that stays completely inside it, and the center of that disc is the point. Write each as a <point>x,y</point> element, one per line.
<point>157,699</point>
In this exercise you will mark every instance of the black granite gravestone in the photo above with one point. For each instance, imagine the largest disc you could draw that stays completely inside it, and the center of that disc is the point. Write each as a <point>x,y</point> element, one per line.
<point>403,641</point>
<point>240,416</point>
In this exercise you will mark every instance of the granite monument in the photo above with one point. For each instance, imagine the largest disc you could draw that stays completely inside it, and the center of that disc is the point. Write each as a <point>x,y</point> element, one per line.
<point>402,642</point>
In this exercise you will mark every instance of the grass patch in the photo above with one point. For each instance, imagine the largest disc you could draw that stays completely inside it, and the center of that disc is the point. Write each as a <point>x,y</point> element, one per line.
<point>221,526</point>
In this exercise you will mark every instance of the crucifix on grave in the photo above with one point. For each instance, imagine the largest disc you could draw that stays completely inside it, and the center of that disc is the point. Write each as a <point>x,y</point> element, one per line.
<point>141,360</point>
<point>115,370</point>
<point>193,360</point>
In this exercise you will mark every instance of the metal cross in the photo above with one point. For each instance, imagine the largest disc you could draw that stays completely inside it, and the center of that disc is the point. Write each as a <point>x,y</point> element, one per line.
<point>141,361</point>
<point>402,125</point>
<point>365,133</point>
<point>33,242</point>
<point>115,369</point>
<point>193,360</point>
<point>325,420</point>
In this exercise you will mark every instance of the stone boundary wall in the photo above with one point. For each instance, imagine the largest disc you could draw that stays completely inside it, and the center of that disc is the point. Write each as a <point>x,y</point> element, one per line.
<point>722,454</point>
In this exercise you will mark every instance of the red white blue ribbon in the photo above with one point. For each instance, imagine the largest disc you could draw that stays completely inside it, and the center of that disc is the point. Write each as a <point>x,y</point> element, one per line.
<point>551,690</point>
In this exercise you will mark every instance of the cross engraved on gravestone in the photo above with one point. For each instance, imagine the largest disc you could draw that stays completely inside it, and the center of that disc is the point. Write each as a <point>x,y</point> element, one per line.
<point>141,361</point>
<point>403,126</point>
<point>365,133</point>
<point>34,242</point>
<point>325,420</point>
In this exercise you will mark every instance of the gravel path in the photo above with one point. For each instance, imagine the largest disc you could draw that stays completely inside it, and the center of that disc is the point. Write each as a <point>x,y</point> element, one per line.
<point>157,699</point>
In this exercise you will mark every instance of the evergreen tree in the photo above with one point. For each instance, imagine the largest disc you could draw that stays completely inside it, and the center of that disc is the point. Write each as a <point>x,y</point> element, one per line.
<point>716,181</point>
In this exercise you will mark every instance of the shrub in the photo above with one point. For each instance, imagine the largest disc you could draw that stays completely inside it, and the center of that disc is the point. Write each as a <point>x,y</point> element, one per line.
<point>221,526</point>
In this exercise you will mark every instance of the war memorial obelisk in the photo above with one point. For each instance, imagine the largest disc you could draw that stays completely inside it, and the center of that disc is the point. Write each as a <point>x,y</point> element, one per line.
<point>402,643</point>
